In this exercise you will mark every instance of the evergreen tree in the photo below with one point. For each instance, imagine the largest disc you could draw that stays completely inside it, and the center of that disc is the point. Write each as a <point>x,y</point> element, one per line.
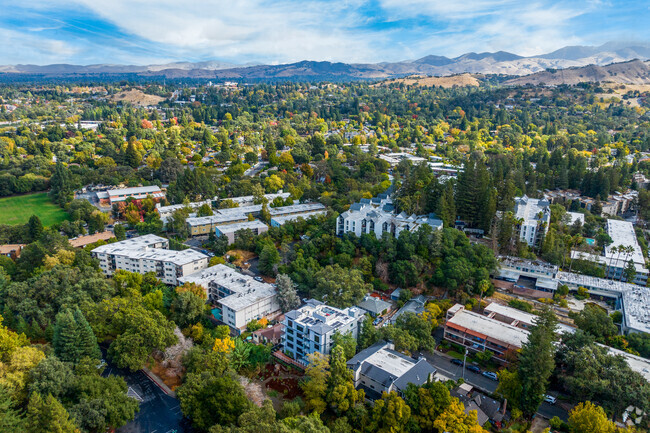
<point>10,419</point>
<point>132,157</point>
<point>537,362</point>
<point>341,395</point>
<point>447,208</point>
<point>35,228</point>
<point>47,416</point>
<point>66,337</point>
<point>287,295</point>
<point>61,185</point>
<point>87,342</point>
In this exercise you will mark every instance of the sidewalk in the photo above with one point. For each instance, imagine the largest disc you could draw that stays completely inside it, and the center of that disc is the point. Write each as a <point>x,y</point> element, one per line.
<point>158,381</point>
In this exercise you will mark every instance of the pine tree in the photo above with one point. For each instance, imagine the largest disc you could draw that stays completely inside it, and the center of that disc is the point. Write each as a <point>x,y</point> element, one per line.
<point>87,340</point>
<point>10,419</point>
<point>60,185</point>
<point>287,296</point>
<point>48,416</point>
<point>66,337</point>
<point>448,206</point>
<point>34,228</point>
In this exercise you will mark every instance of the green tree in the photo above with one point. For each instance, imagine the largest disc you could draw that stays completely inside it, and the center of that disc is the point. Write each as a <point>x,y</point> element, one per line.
<point>187,309</point>
<point>87,342</point>
<point>447,208</point>
<point>61,189</point>
<point>35,228</point>
<point>536,361</point>
<point>287,294</point>
<point>595,321</point>
<point>368,334</point>
<point>347,342</point>
<point>47,416</point>
<point>50,376</point>
<point>10,418</point>
<point>205,210</point>
<point>66,336</point>
<point>208,399</point>
<point>390,414</point>
<point>314,386</point>
<point>340,287</point>
<point>269,258</point>
<point>341,394</point>
<point>120,232</point>
<point>132,157</point>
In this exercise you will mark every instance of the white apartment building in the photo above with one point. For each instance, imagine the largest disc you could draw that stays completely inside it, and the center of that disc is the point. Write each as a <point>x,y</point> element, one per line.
<point>310,328</point>
<point>230,230</point>
<point>613,261</point>
<point>239,297</point>
<point>535,217</point>
<point>149,253</point>
<point>377,215</point>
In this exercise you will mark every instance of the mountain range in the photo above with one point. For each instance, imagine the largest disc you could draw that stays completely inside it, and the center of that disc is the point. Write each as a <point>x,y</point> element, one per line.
<point>499,62</point>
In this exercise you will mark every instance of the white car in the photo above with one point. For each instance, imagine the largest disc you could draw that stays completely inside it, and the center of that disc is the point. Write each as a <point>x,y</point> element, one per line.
<point>550,399</point>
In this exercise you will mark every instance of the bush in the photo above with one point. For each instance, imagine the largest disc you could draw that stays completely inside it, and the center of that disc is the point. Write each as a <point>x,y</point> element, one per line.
<point>520,305</point>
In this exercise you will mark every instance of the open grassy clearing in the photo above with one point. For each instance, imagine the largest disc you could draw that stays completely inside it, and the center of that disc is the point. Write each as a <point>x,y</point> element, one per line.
<point>18,209</point>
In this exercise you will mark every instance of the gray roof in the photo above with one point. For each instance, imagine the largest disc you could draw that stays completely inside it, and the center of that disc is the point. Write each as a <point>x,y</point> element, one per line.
<point>374,305</point>
<point>418,375</point>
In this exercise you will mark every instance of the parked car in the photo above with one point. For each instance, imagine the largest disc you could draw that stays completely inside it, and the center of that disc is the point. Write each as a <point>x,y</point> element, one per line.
<point>550,399</point>
<point>377,321</point>
<point>490,375</point>
<point>457,361</point>
<point>259,279</point>
<point>474,369</point>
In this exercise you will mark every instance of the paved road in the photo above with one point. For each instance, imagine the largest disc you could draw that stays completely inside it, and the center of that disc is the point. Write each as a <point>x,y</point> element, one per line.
<point>443,364</point>
<point>159,413</point>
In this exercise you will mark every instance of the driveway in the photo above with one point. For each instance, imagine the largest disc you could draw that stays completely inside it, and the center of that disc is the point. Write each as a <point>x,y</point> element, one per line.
<point>159,413</point>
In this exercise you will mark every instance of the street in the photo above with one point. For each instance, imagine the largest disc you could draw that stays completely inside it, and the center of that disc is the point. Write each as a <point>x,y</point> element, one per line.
<point>443,364</point>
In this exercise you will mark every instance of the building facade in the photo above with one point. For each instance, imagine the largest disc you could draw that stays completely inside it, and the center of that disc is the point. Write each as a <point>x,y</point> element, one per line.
<point>149,253</point>
<point>534,217</point>
<point>310,328</point>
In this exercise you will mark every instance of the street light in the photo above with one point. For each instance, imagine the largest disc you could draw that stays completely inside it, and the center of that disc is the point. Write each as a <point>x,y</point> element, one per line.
<point>464,359</point>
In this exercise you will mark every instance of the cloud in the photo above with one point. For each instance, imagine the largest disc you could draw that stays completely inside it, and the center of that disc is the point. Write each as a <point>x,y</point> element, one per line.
<point>24,47</point>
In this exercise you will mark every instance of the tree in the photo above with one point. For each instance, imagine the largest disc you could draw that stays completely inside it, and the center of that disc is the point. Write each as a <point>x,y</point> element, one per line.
<point>427,403</point>
<point>447,206</point>
<point>341,394</point>
<point>273,183</point>
<point>347,342</point>
<point>47,416</point>
<point>10,419</point>
<point>269,258</point>
<point>208,399</point>
<point>588,418</point>
<point>132,157</point>
<point>629,273</point>
<point>340,287</point>
<point>368,334</point>
<point>120,232</point>
<point>35,228</point>
<point>454,419</point>
<point>536,361</point>
<point>50,376</point>
<point>205,210</point>
<point>287,294</point>
<point>187,308</point>
<point>595,321</point>
<point>390,414</point>
<point>61,190</point>
<point>314,386</point>
<point>73,337</point>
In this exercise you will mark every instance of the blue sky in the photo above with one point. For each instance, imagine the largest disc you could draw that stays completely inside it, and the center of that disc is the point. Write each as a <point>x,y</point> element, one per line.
<point>262,31</point>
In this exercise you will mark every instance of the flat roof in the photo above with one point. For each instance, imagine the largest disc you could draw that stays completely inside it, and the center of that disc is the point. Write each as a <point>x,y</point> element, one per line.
<point>133,243</point>
<point>247,291</point>
<point>635,298</point>
<point>622,234</point>
<point>134,190</point>
<point>82,241</point>
<point>231,228</point>
<point>303,207</point>
<point>282,219</point>
<point>491,328</point>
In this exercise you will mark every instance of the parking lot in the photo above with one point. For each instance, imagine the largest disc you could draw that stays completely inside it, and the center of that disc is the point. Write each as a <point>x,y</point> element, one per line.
<point>159,413</point>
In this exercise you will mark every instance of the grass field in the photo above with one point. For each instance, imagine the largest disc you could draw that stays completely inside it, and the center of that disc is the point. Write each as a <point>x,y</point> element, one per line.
<point>18,209</point>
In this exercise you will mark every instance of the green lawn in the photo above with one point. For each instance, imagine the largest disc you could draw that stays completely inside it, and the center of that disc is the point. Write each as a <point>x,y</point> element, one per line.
<point>18,209</point>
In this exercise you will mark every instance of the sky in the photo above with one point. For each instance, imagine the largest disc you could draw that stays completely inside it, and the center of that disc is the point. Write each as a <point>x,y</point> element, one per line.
<point>143,32</point>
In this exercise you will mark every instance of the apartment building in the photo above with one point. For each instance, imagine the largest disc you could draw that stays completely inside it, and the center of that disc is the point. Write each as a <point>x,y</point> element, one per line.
<point>230,230</point>
<point>377,215</point>
<point>310,328</point>
<point>240,298</point>
<point>279,221</point>
<point>534,216</point>
<point>614,259</point>
<point>149,253</point>
<point>380,368</point>
<point>113,196</point>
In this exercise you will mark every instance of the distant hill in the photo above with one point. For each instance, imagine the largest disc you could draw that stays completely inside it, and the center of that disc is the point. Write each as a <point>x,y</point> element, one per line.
<point>632,72</point>
<point>500,62</point>
<point>462,80</point>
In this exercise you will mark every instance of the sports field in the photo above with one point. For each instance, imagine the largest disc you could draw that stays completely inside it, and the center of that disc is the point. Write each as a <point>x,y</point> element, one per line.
<point>18,209</point>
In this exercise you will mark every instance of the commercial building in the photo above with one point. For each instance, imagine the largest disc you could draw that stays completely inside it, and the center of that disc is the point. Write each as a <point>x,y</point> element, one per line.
<point>113,196</point>
<point>377,215</point>
<point>230,230</point>
<point>248,200</point>
<point>310,328</point>
<point>279,221</point>
<point>240,298</point>
<point>534,216</point>
<point>614,259</point>
<point>380,368</point>
<point>631,299</point>
<point>166,212</point>
<point>149,253</point>
<point>204,225</point>
<point>479,333</point>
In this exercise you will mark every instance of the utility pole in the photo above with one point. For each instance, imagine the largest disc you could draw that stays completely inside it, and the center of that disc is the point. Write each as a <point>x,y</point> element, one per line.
<point>464,360</point>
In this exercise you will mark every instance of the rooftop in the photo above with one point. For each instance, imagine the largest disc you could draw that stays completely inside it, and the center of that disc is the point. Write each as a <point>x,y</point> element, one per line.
<point>479,324</point>
<point>135,190</point>
<point>288,218</point>
<point>321,318</point>
<point>133,243</point>
<point>374,305</point>
<point>528,209</point>
<point>295,208</point>
<point>622,234</point>
<point>82,241</point>
<point>246,290</point>
<point>231,228</point>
